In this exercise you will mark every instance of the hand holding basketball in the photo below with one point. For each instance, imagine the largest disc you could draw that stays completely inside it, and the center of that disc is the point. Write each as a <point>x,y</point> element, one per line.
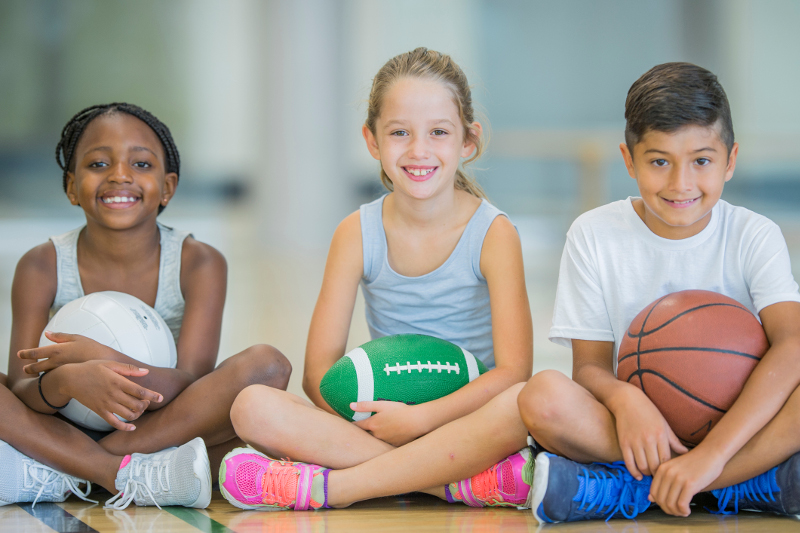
<point>644,436</point>
<point>393,422</point>
<point>68,349</point>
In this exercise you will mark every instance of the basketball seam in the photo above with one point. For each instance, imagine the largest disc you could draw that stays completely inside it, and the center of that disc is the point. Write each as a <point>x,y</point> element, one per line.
<point>691,349</point>
<point>643,333</point>
<point>639,373</point>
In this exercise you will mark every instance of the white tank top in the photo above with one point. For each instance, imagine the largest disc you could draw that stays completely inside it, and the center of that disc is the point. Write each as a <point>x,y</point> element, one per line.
<point>169,299</point>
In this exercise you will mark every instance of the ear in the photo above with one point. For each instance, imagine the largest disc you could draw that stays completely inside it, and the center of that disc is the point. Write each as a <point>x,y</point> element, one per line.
<point>72,193</point>
<point>168,191</point>
<point>469,146</point>
<point>372,142</point>
<point>732,162</point>
<point>627,156</point>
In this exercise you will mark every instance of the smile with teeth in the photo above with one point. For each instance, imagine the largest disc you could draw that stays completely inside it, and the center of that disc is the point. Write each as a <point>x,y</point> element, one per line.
<point>118,199</point>
<point>681,202</point>
<point>419,171</point>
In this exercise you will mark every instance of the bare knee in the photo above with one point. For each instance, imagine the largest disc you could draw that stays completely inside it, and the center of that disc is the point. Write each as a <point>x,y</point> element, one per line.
<point>541,401</point>
<point>248,409</point>
<point>262,364</point>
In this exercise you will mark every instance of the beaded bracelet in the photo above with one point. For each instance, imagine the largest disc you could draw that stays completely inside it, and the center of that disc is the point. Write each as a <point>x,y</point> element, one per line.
<point>50,405</point>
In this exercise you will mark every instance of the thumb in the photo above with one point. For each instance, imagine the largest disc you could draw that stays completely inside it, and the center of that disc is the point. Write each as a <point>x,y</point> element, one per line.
<point>59,337</point>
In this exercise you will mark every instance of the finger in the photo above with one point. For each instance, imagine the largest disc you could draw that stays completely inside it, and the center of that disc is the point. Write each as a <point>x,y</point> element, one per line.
<point>126,369</point>
<point>116,423</point>
<point>60,337</point>
<point>655,486</point>
<point>140,393</point>
<point>129,407</point>
<point>676,444</point>
<point>671,498</point>
<point>365,424</point>
<point>630,463</point>
<point>641,460</point>
<point>363,407</point>
<point>35,353</point>
<point>664,450</point>
<point>684,500</point>
<point>37,368</point>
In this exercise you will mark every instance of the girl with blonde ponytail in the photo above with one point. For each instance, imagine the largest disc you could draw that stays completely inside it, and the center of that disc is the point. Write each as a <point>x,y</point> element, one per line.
<point>433,257</point>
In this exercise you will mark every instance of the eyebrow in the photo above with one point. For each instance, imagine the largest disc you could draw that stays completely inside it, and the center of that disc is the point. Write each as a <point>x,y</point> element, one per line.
<point>398,122</point>
<point>133,149</point>
<point>704,149</point>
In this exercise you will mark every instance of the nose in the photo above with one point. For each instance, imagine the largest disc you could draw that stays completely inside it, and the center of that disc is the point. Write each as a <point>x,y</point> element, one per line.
<point>120,173</point>
<point>419,148</point>
<point>681,179</point>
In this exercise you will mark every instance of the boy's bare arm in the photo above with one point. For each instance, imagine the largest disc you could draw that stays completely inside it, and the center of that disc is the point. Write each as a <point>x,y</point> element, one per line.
<point>645,439</point>
<point>773,380</point>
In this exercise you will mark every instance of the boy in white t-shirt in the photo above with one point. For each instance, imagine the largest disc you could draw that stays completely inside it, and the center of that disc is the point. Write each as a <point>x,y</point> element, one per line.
<point>618,258</point>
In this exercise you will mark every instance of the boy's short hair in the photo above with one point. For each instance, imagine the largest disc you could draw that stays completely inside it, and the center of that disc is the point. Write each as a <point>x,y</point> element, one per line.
<point>673,95</point>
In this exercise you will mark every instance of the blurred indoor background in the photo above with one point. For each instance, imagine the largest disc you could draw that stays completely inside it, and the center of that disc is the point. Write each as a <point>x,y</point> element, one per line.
<point>266,99</point>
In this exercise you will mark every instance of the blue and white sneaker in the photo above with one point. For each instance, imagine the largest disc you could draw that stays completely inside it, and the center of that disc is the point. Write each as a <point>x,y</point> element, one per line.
<point>566,491</point>
<point>775,491</point>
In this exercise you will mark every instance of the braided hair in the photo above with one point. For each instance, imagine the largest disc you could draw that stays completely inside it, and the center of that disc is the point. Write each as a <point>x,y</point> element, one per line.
<point>72,132</point>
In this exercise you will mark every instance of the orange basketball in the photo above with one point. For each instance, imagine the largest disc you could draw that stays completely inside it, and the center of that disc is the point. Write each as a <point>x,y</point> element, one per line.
<point>691,353</point>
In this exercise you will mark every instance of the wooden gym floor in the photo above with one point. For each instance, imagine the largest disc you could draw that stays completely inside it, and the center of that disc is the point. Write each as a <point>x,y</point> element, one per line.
<point>418,513</point>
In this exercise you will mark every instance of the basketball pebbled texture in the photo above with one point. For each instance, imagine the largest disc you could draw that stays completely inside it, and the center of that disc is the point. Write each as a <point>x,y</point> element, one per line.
<point>691,353</point>
<point>412,369</point>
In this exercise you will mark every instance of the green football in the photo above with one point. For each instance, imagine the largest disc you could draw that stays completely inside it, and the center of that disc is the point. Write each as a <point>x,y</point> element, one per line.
<point>411,369</point>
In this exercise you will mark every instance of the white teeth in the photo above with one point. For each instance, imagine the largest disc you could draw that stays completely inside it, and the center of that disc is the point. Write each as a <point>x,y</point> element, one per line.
<point>419,171</point>
<point>118,199</point>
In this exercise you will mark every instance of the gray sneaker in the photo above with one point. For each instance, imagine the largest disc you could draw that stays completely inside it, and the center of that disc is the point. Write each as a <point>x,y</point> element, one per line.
<point>175,476</point>
<point>23,479</point>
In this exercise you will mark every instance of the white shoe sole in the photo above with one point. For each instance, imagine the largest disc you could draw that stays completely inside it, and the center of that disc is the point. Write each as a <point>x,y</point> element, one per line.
<point>202,469</point>
<point>541,474</point>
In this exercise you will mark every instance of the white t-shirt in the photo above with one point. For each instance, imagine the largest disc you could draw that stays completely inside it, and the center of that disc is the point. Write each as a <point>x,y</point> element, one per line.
<point>613,266</point>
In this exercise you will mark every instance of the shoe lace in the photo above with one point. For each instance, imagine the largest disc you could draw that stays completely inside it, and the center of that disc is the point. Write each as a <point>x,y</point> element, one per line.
<point>51,482</point>
<point>155,481</point>
<point>616,492</point>
<point>275,483</point>
<point>761,488</point>
<point>485,488</point>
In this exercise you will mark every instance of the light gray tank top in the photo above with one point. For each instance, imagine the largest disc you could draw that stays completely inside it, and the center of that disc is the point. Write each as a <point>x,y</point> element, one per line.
<point>451,303</point>
<point>169,299</point>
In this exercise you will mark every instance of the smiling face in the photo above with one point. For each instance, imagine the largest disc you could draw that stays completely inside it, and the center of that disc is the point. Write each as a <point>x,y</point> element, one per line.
<point>119,177</point>
<point>680,177</point>
<point>419,137</point>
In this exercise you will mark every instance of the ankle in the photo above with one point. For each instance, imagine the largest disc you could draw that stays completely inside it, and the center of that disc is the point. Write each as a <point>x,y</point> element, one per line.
<point>336,492</point>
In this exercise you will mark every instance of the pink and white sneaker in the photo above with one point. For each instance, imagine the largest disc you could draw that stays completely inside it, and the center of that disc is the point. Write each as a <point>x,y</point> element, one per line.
<point>506,484</point>
<point>250,480</point>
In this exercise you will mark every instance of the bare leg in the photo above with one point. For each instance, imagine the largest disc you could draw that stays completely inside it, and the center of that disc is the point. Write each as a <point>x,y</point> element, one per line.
<point>203,409</point>
<point>284,425</point>
<point>455,451</point>
<point>566,419</point>
<point>54,442</point>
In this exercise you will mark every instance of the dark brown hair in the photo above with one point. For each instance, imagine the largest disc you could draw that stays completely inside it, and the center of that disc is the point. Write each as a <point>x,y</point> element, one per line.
<point>673,95</point>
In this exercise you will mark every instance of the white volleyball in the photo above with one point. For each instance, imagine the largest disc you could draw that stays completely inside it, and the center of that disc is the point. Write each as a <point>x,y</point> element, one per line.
<point>122,322</point>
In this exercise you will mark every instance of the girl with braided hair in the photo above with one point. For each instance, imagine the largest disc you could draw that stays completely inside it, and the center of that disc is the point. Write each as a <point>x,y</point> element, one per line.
<point>121,166</point>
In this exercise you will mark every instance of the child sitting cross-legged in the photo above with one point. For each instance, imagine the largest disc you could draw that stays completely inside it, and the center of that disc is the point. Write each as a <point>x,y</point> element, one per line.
<point>679,235</point>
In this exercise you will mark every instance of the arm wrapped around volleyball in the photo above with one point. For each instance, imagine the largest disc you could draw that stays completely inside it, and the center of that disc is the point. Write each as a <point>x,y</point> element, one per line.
<point>103,387</point>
